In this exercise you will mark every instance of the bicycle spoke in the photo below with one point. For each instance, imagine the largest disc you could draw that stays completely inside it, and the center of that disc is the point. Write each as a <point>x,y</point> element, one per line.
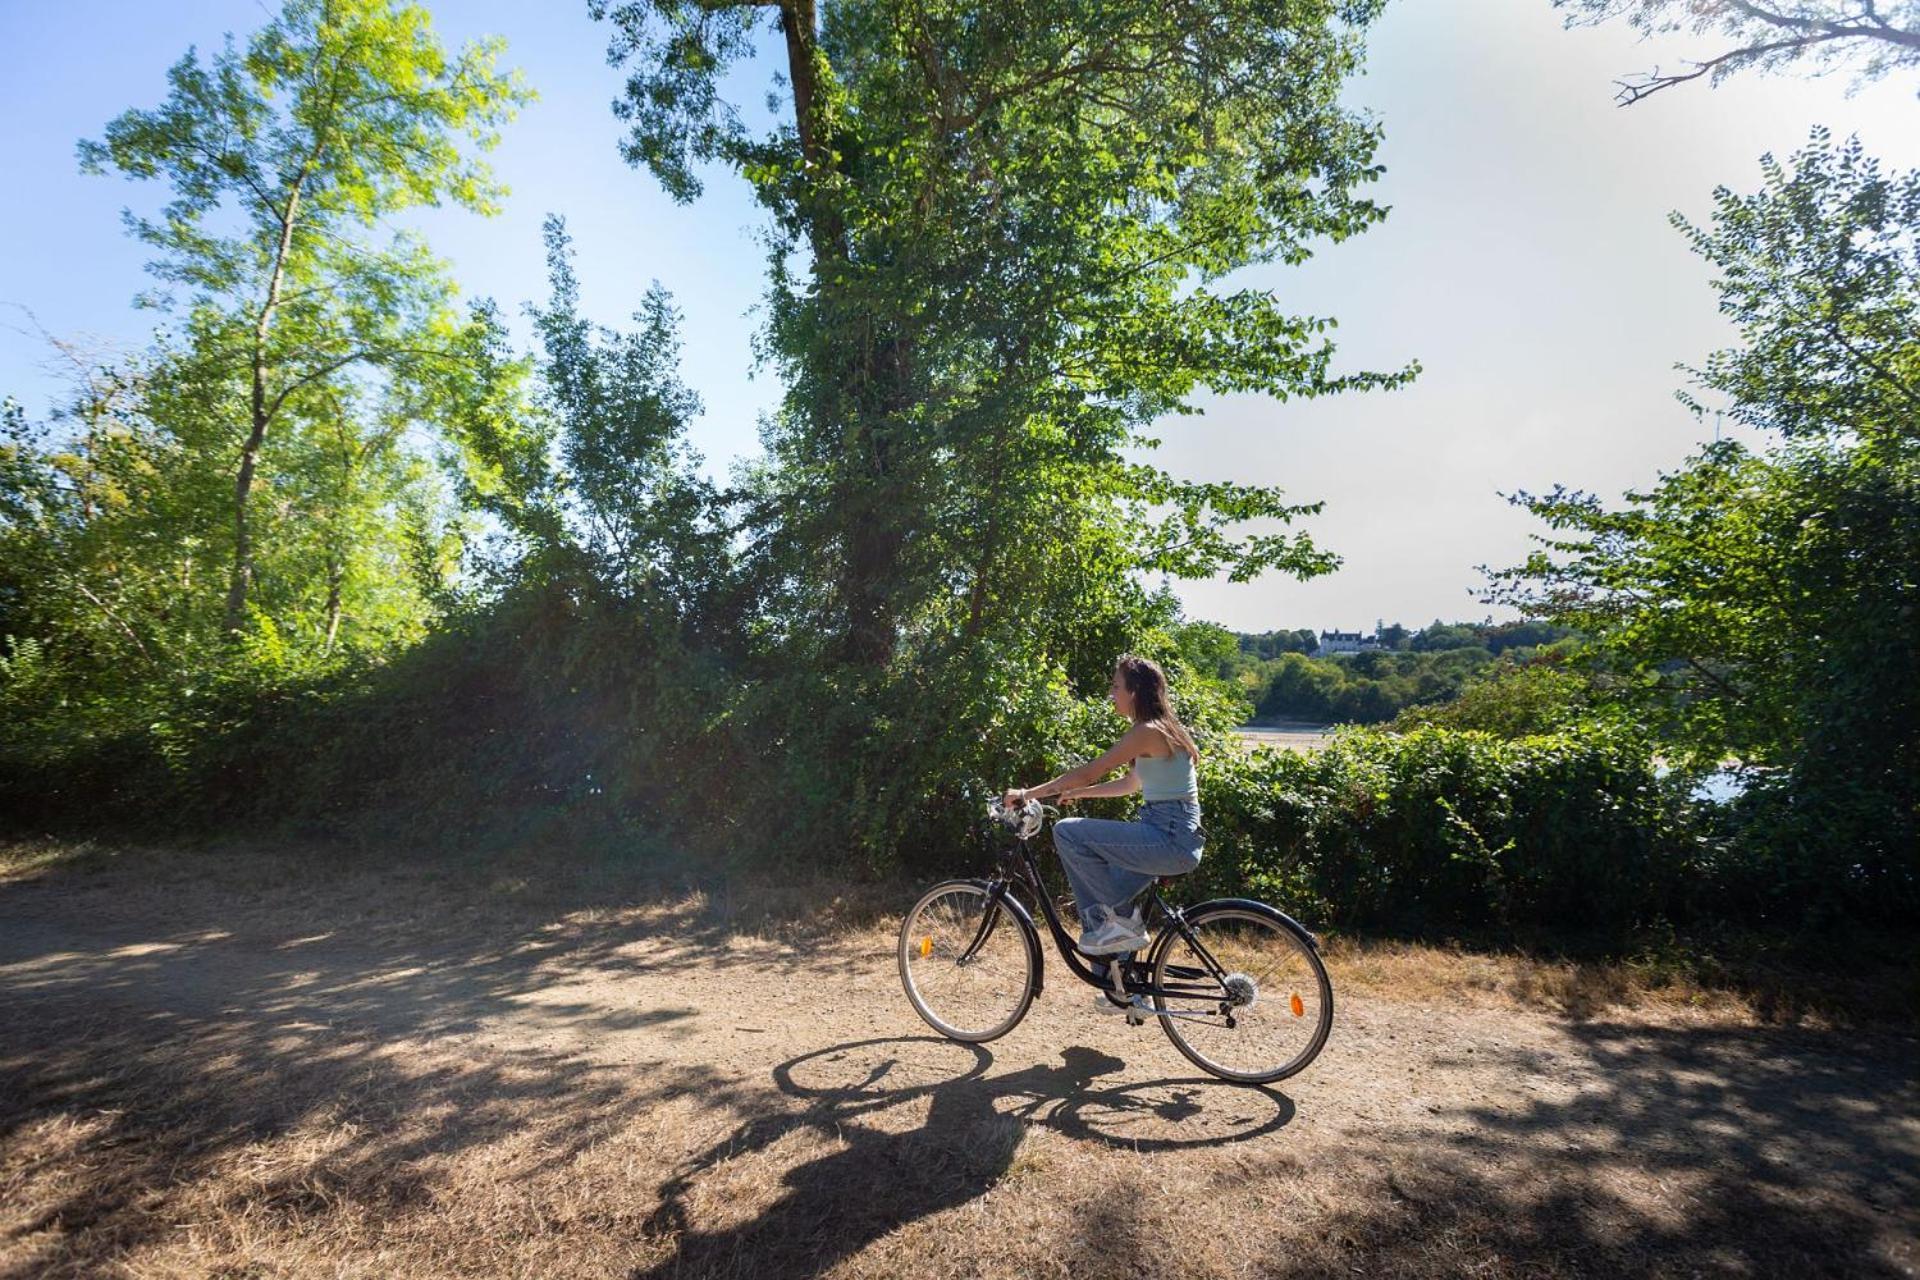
<point>988,993</point>
<point>1277,1001</point>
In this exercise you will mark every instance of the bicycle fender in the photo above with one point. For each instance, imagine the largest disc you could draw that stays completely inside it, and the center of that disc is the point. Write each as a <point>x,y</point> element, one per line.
<point>1024,918</point>
<point>1311,938</point>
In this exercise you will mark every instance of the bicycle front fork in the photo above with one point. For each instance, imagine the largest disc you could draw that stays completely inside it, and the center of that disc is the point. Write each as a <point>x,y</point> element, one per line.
<point>988,919</point>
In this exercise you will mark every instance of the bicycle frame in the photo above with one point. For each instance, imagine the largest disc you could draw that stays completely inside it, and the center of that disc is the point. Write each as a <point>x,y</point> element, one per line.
<point>1019,866</point>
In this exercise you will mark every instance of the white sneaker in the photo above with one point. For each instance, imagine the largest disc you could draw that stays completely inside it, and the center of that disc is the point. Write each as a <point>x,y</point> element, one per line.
<point>1108,934</point>
<point>1104,1003</point>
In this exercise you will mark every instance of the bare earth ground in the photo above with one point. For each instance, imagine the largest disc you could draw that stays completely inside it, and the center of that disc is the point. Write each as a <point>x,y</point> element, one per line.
<point>259,1068</point>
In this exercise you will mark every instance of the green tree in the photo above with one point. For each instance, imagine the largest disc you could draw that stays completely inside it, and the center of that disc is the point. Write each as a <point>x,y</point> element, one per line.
<point>1510,699</point>
<point>1764,603</point>
<point>999,208</point>
<point>998,236</point>
<point>1440,636</point>
<point>1271,644</point>
<point>282,160</point>
<point>1523,635</point>
<point>1207,646</point>
<point>502,461</point>
<point>638,511</point>
<point>1302,688</point>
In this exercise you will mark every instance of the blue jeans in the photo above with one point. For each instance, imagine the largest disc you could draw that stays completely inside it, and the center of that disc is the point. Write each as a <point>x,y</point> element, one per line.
<point>1108,861</point>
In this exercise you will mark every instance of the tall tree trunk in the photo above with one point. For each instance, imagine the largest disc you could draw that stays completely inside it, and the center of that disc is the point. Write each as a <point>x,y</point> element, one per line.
<point>876,515</point>
<point>1009,357</point>
<point>871,525</point>
<point>826,230</point>
<point>242,580</point>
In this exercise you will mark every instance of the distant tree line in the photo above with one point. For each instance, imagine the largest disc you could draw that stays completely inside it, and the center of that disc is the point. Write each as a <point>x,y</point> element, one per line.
<point>1284,675</point>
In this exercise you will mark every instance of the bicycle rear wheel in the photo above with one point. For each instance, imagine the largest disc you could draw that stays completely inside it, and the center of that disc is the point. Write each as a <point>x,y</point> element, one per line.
<point>963,991</point>
<point>1272,1013</point>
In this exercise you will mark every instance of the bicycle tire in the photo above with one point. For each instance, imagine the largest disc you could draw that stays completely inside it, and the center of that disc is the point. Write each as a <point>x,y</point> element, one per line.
<point>934,928</point>
<point>1273,929</point>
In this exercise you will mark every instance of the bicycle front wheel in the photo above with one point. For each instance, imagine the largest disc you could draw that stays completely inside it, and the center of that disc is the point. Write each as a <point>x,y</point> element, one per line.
<point>1249,998</point>
<point>967,961</point>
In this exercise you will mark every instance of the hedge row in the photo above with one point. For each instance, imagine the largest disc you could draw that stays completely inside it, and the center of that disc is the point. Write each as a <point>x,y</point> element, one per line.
<point>1441,829</point>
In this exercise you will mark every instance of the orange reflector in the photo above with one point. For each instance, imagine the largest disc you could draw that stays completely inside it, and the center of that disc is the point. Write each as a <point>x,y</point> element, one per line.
<point>926,946</point>
<point>1298,1005</point>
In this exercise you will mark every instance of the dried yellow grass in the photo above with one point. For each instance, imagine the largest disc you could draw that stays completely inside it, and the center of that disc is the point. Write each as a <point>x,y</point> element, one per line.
<point>229,1064</point>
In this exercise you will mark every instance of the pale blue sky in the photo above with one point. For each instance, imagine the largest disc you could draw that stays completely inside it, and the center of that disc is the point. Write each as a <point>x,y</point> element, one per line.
<point>1527,262</point>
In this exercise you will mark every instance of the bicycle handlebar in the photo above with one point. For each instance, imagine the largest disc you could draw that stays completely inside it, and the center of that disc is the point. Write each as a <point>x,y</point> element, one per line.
<point>1024,821</point>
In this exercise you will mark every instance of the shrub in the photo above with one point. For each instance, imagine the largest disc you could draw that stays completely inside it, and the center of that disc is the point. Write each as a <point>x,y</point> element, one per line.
<point>1439,829</point>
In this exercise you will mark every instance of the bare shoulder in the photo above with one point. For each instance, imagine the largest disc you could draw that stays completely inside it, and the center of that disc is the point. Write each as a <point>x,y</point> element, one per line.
<point>1150,740</point>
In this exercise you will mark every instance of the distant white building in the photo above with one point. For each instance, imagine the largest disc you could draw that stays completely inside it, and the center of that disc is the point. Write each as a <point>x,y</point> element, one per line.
<point>1332,642</point>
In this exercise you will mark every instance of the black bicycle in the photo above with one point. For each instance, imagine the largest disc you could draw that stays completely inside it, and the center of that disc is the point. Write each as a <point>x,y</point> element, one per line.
<point>1237,985</point>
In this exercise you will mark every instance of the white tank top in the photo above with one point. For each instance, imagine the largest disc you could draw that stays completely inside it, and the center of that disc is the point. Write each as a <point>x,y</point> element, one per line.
<point>1167,777</point>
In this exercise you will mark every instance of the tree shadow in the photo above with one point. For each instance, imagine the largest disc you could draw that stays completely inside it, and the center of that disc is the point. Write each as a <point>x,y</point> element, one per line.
<point>882,1178</point>
<point>144,1059</point>
<point>140,1057</point>
<point>1676,1150</point>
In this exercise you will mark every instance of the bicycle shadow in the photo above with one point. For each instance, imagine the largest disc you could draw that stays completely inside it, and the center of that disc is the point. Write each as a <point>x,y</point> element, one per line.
<point>881,1179</point>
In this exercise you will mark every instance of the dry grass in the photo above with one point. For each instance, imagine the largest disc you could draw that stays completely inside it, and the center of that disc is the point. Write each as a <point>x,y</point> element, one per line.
<point>220,1063</point>
<point>1878,986</point>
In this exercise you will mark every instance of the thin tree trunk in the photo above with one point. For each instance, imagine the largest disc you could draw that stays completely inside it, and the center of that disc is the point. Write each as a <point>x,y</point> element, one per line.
<point>335,572</point>
<point>242,580</point>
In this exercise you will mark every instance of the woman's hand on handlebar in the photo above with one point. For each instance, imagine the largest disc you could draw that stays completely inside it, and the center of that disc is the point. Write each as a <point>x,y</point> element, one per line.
<point>1018,797</point>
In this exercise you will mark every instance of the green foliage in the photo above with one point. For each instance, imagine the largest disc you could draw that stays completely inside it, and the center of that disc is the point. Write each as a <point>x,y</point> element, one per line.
<point>1277,671</point>
<point>235,592</point>
<point>1763,604</point>
<point>1440,637</point>
<point>556,711</point>
<point>1444,831</point>
<point>1510,700</point>
<point>634,504</point>
<point>1271,644</point>
<point>1363,688</point>
<point>243,505</point>
<point>997,239</point>
<point>282,161</point>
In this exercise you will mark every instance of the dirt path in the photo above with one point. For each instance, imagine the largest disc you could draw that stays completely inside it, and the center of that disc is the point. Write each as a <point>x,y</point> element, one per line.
<point>260,1079</point>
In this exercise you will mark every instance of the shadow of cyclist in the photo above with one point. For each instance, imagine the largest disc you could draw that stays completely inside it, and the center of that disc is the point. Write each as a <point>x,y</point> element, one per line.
<point>882,1179</point>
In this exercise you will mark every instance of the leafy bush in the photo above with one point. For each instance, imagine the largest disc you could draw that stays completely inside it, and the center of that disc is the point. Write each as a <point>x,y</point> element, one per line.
<point>1510,700</point>
<point>565,714</point>
<point>1446,830</point>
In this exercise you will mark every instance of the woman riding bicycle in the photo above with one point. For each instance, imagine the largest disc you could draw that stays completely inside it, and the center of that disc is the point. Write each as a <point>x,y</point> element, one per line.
<point>1108,862</point>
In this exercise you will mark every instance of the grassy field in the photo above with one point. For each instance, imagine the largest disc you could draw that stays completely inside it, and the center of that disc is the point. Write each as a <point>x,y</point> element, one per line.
<point>252,1062</point>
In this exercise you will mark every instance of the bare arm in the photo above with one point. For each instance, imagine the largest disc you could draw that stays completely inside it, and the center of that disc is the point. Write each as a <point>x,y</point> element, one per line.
<point>1124,785</point>
<point>1134,742</point>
